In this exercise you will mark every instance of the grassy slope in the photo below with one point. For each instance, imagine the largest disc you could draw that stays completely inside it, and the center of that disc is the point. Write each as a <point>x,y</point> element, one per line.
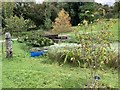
<point>23,71</point>
<point>96,28</point>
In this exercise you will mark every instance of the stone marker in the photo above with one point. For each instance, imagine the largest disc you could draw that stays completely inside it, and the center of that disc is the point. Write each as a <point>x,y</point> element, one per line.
<point>8,45</point>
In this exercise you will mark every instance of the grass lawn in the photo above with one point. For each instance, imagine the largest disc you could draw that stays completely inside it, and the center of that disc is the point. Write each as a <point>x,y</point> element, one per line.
<point>22,71</point>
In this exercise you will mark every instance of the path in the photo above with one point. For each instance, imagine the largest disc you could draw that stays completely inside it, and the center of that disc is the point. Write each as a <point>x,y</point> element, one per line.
<point>4,40</point>
<point>80,32</point>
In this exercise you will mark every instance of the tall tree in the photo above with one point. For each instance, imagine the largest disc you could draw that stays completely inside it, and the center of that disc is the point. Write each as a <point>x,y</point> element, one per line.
<point>73,9</point>
<point>47,22</point>
<point>7,8</point>
<point>7,11</point>
<point>117,9</point>
<point>40,14</point>
<point>32,11</point>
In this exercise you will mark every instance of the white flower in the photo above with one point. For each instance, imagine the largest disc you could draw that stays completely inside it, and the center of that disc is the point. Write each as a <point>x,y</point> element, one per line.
<point>92,15</point>
<point>87,11</point>
<point>78,24</point>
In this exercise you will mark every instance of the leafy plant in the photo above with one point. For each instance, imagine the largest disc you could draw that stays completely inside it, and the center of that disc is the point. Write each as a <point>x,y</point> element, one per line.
<point>60,52</point>
<point>35,39</point>
<point>96,50</point>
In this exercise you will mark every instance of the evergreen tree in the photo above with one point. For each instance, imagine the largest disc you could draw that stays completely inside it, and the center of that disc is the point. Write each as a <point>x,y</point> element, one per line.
<point>47,22</point>
<point>62,23</point>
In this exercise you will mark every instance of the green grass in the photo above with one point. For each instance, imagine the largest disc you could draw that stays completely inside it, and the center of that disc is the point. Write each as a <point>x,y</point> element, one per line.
<point>22,71</point>
<point>0,65</point>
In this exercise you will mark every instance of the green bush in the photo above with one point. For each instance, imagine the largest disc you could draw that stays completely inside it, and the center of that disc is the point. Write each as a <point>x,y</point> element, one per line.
<point>35,39</point>
<point>61,51</point>
<point>77,55</point>
<point>114,62</point>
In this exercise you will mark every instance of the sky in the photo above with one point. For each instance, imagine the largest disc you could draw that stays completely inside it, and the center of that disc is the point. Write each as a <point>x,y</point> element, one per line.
<point>109,2</point>
<point>39,1</point>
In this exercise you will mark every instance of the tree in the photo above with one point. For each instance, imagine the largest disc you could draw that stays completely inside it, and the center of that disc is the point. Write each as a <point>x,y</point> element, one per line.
<point>41,14</point>
<point>73,9</point>
<point>7,11</point>
<point>116,9</point>
<point>32,11</point>
<point>86,11</point>
<point>17,25</point>
<point>62,23</point>
<point>106,8</point>
<point>47,22</point>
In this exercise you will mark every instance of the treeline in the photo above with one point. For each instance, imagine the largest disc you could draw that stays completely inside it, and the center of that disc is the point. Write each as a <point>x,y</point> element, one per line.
<point>42,15</point>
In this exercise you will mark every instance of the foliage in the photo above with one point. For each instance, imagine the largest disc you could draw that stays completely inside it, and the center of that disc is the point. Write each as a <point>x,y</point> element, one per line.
<point>58,52</point>
<point>48,24</point>
<point>41,14</point>
<point>87,12</point>
<point>72,8</point>
<point>32,11</point>
<point>116,9</point>
<point>48,21</point>
<point>98,37</point>
<point>96,28</point>
<point>35,39</point>
<point>24,71</point>
<point>95,51</point>
<point>17,25</point>
<point>37,12</point>
<point>109,15</point>
<point>7,11</point>
<point>62,23</point>
<point>114,62</point>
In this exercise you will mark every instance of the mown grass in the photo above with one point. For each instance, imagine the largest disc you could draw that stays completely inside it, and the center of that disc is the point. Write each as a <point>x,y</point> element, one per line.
<point>0,63</point>
<point>22,71</point>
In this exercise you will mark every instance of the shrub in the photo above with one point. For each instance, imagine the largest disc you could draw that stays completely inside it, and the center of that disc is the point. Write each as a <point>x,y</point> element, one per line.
<point>60,51</point>
<point>114,62</point>
<point>78,55</point>
<point>35,39</point>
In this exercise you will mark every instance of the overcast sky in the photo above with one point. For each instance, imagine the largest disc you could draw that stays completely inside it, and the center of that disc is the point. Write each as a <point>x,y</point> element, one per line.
<point>110,2</point>
<point>39,1</point>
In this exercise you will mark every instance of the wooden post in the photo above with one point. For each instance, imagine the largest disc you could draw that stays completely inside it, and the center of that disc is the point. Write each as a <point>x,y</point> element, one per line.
<point>8,45</point>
